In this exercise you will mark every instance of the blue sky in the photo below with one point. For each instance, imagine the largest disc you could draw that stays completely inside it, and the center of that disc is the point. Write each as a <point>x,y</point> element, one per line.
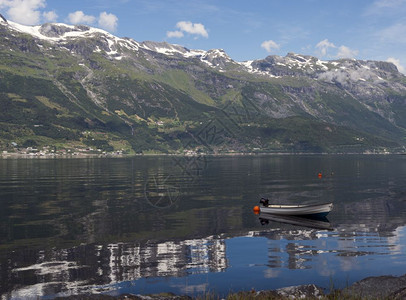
<point>246,30</point>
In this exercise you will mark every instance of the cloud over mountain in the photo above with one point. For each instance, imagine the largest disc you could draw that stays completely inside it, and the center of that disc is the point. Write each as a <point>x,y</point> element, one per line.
<point>105,20</point>
<point>26,12</point>
<point>397,63</point>
<point>108,21</point>
<point>270,45</point>
<point>345,52</point>
<point>79,17</point>
<point>196,29</point>
<point>323,46</point>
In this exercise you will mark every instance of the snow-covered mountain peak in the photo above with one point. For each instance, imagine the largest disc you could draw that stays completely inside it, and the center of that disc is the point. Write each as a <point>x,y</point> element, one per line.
<point>52,30</point>
<point>92,39</point>
<point>57,32</point>
<point>165,48</point>
<point>218,53</point>
<point>115,47</point>
<point>217,58</point>
<point>63,35</point>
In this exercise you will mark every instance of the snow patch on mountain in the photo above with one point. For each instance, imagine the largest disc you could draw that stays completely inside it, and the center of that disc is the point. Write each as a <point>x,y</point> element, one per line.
<point>164,48</point>
<point>216,58</point>
<point>213,58</point>
<point>248,65</point>
<point>322,64</point>
<point>348,73</point>
<point>57,32</point>
<point>61,33</point>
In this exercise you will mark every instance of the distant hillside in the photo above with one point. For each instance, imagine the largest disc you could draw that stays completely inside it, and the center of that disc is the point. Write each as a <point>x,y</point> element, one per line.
<point>76,87</point>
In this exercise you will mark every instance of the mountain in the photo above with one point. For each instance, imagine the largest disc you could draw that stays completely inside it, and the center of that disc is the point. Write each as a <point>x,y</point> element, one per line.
<point>77,87</point>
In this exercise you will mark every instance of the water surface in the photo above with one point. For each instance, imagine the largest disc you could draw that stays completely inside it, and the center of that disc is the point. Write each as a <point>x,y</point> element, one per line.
<point>185,224</point>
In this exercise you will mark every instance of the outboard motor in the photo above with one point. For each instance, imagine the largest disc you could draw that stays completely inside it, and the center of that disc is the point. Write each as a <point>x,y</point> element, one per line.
<point>263,221</point>
<point>3,18</point>
<point>264,202</point>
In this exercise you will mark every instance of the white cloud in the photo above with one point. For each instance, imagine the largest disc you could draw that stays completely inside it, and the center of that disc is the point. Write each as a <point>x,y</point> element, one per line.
<point>270,45</point>
<point>395,33</point>
<point>193,28</point>
<point>323,46</point>
<point>380,7</point>
<point>174,34</point>
<point>23,11</point>
<point>50,16</point>
<point>396,62</point>
<point>389,3</point>
<point>108,21</point>
<point>78,17</point>
<point>345,52</point>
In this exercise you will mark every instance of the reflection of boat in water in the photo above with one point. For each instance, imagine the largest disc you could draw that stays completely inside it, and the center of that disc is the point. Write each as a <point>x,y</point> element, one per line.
<point>312,222</point>
<point>321,209</point>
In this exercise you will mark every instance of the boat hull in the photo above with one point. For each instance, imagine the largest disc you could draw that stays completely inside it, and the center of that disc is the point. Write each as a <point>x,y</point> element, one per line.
<point>298,210</point>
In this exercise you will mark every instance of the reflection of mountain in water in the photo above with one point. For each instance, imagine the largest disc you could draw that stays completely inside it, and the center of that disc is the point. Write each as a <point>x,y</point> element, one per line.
<point>360,229</point>
<point>382,214</point>
<point>78,269</point>
<point>129,262</point>
<point>109,206</point>
<point>100,267</point>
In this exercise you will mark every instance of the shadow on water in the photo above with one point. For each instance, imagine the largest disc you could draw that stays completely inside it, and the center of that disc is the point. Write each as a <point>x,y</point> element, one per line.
<point>146,225</point>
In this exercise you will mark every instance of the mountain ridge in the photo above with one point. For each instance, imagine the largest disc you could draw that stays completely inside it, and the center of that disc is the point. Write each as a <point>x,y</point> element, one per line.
<point>58,32</point>
<point>143,84</point>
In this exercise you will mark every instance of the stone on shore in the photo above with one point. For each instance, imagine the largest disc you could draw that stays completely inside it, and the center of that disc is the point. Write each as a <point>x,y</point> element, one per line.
<point>381,287</point>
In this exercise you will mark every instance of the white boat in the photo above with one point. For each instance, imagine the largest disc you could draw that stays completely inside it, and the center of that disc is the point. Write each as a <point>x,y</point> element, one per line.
<point>321,209</point>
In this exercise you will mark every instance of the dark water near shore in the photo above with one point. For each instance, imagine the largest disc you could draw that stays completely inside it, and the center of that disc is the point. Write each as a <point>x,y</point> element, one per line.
<point>185,224</point>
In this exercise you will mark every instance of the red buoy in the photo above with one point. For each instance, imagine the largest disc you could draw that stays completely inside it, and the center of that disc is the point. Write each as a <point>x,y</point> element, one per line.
<point>256,209</point>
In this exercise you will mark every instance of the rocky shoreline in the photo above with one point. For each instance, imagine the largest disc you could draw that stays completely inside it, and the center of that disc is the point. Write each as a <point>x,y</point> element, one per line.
<point>382,287</point>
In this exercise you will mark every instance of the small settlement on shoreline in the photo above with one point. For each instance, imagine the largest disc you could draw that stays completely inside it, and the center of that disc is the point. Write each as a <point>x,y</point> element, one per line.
<point>50,152</point>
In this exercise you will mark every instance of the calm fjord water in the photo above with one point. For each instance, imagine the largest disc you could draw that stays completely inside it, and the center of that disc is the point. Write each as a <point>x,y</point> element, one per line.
<point>185,224</point>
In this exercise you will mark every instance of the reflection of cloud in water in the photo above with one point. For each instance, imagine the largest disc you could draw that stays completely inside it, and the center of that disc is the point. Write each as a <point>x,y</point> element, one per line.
<point>191,289</point>
<point>40,289</point>
<point>348,263</point>
<point>49,268</point>
<point>396,240</point>
<point>271,273</point>
<point>324,269</point>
